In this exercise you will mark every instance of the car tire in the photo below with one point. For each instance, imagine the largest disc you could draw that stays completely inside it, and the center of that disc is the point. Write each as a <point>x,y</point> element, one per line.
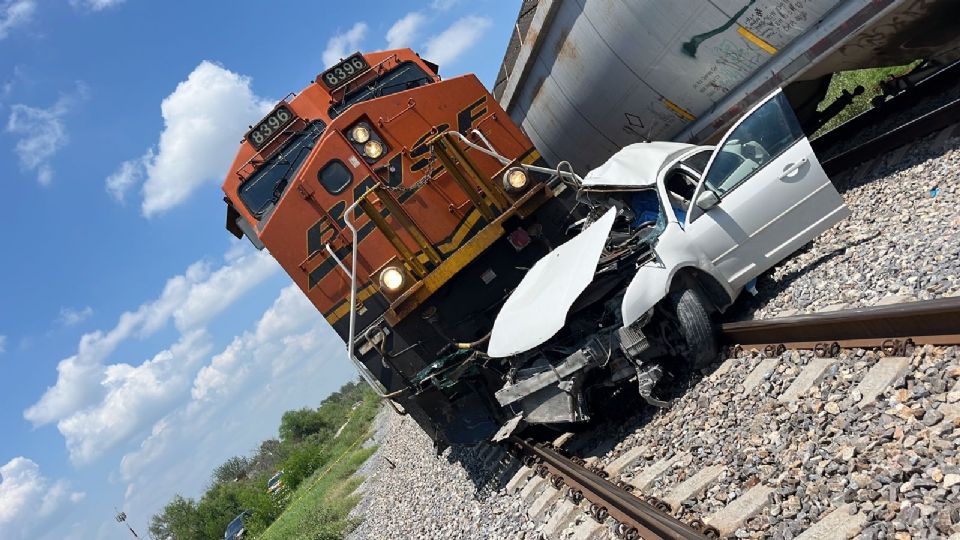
<point>695,327</point>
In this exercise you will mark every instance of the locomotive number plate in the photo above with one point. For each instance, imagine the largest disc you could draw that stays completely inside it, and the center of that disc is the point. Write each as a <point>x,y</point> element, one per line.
<point>344,71</point>
<point>271,124</point>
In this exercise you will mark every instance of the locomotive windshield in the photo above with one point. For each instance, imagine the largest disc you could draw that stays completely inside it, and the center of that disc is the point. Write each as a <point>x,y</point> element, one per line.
<point>265,187</point>
<point>408,75</point>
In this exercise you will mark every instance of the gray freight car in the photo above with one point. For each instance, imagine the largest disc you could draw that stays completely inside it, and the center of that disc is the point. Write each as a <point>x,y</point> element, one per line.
<point>586,77</point>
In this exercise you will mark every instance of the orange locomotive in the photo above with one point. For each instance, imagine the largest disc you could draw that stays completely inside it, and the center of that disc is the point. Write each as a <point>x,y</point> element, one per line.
<point>414,200</point>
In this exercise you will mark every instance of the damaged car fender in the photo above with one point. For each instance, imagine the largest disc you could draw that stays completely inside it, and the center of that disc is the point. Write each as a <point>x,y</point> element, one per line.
<point>652,282</point>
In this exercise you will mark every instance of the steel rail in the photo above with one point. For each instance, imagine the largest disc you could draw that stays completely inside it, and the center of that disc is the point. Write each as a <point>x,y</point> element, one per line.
<point>647,521</point>
<point>930,86</point>
<point>917,128</point>
<point>935,322</point>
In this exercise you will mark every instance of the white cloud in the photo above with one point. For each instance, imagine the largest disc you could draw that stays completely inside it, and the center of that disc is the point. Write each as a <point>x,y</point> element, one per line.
<point>290,313</point>
<point>443,5</point>
<point>88,390</point>
<point>71,316</point>
<point>289,359</point>
<point>96,5</point>
<point>42,133</point>
<point>220,288</point>
<point>3,344</point>
<point>129,174</point>
<point>404,32</point>
<point>136,396</point>
<point>204,119</point>
<point>341,45</point>
<point>448,45</point>
<point>14,13</point>
<point>26,495</point>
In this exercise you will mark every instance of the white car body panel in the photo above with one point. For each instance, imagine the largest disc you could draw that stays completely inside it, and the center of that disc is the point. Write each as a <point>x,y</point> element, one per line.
<point>635,166</point>
<point>653,279</point>
<point>538,308</point>
<point>787,202</point>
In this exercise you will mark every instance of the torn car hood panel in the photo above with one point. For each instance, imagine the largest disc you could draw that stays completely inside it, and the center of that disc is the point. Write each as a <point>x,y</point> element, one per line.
<point>538,307</point>
<point>635,166</point>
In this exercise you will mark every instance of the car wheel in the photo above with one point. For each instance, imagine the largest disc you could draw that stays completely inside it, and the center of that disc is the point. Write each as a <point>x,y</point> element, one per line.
<point>694,326</point>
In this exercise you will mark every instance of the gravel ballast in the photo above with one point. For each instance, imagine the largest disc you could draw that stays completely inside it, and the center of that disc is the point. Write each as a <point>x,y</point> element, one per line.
<point>413,493</point>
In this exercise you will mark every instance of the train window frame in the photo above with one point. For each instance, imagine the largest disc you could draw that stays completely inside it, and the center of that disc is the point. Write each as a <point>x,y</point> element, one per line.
<point>300,141</point>
<point>346,169</point>
<point>370,90</point>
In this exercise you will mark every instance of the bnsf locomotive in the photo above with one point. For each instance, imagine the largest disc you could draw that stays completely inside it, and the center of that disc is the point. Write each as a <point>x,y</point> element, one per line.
<point>406,208</point>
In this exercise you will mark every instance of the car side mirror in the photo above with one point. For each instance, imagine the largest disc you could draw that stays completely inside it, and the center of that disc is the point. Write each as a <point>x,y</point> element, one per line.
<point>707,199</point>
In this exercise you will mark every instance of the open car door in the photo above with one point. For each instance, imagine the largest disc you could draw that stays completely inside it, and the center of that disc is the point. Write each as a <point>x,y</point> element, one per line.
<point>762,195</point>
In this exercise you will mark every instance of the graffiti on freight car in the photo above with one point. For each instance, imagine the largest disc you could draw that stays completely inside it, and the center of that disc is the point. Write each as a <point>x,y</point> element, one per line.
<point>734,61</point>
<point>690,47</point>
<point>634,126</point>
<point>903,25</point>
<point>779,21</point>
<point>738,57</point>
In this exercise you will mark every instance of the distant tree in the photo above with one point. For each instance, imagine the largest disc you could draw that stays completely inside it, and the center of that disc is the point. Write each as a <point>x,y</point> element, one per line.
<point>235,468</point>
<point>267,458</point>
<point>297,425</point>
<point>179,520</point>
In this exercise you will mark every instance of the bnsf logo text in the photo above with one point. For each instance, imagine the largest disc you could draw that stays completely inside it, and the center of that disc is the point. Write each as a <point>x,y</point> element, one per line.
<point>324,231</point>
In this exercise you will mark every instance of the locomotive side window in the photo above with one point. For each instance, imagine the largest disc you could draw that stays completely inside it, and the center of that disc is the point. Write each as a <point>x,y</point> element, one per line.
<point>335,177</point>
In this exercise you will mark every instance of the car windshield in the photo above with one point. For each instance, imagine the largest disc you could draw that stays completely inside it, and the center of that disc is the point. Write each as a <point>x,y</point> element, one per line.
<point>274,479</point>
<point>234,527</point>
<point>405,77</point>
<point>268,183</point>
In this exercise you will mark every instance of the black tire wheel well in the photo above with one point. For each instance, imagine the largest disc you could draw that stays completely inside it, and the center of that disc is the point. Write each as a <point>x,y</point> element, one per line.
<point>689,314</point>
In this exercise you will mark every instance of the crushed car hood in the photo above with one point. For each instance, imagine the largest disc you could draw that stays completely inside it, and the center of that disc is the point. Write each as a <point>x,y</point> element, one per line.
<point>635,166</point>
<point>538,307</point>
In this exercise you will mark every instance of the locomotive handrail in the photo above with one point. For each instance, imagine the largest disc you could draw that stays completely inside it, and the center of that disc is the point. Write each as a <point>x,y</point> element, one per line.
<point>378,388</point>
<point>492,152</point>
<point>337,259</point>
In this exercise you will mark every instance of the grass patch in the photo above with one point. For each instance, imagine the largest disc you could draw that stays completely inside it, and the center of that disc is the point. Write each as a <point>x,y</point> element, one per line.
<point>319,508</point>
<point>869,79</point>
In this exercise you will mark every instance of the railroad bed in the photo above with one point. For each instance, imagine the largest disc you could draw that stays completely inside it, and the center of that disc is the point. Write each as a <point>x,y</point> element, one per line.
<point>789,446</point>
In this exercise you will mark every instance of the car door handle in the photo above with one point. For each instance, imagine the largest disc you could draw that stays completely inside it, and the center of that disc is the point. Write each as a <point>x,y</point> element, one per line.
<point>793,167</point>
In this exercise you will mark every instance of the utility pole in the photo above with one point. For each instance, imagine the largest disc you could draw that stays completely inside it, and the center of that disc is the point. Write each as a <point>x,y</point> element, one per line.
<point>121,517</point>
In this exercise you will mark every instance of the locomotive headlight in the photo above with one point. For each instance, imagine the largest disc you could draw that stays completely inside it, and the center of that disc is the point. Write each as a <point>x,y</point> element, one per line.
<point>360,134</point>
<point>373,149</point>
<point>515,179</point>
<point>391,279</point>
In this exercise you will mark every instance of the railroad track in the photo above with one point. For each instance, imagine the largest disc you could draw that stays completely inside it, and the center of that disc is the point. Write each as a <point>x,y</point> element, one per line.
<point>943,119</point>
<point>887,130</point>
<point>643,493</point>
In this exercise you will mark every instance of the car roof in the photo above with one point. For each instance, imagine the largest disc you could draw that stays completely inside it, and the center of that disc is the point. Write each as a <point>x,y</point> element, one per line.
<point>636,165</point>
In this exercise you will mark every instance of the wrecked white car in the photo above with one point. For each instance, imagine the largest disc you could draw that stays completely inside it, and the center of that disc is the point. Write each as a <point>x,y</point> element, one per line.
<point>674,233</point>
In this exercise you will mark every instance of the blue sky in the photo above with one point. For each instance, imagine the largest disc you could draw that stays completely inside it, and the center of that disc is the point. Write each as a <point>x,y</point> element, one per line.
<point>140,344</point>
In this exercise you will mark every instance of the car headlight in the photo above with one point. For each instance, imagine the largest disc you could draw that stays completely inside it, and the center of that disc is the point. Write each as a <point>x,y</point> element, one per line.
<point>360,134</point>
<point>391,279</point>
<point>373,149</point>
<point>515,179</point>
